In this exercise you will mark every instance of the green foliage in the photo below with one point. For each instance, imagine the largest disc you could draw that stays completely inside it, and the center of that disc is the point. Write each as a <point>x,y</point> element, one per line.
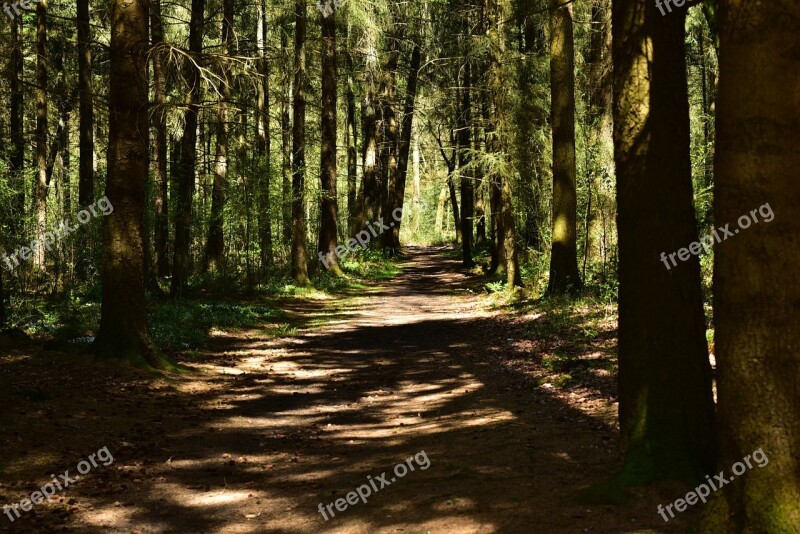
<point>184,324</point>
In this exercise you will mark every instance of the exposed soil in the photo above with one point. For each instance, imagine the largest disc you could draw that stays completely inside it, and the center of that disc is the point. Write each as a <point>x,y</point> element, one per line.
<point>268,429</point>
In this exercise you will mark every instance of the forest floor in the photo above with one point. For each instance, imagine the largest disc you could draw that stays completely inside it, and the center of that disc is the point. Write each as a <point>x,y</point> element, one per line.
<point>513,407</point>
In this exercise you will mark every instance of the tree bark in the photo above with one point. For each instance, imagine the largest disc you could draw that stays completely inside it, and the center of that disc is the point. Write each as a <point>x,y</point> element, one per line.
<point>286,142</point>
<point>160,193</point>
<point>264,145</point>
<point>665,403</point>
<point>215,246</point>
<point>123,332</point>
<point>299,261</point>
<point>328,202</point>
<point>398,190</point>
<point>183,215</point>
<point>389,145</point>
<point>757,327</point>
<point>464,121</point>
<point>351,131</point>
<point>17,121</point>
<point>370,194</point>
<point>451,170</point>
<point>564,277</point>
<point>86,109</point>
<point>40,188</point>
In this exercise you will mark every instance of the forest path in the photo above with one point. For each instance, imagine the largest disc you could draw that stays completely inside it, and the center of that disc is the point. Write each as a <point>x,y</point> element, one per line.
<point>273,427</point>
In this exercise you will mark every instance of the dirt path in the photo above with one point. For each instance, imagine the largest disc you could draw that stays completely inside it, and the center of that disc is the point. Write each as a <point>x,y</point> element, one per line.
<point>272,429</point>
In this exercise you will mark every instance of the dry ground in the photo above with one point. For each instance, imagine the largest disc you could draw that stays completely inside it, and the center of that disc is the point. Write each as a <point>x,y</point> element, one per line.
<point>269,428</point>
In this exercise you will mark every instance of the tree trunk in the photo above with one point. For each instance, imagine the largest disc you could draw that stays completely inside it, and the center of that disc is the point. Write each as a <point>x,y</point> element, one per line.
<point>665,404</point>
<point>529,116</point>
<point>328,203</point>
<point>183,215</point>
<point>398,191</point>
<point>388,148</point>
<point>215,247</point>
<point>755,274</point>
<point>351,131</point>
<point>264,145</point>
<point>564,275</point>
<point>464,121</point>
<point>286,142</point>
<point>17,157</point>
<point>451,170</point>
<point>40,188</point>
<point>160,193</point>
<point>370,194</point>
<point>86,133</point>
<point>86,109</point>
<point>299,261</point>
<point>123,330</point>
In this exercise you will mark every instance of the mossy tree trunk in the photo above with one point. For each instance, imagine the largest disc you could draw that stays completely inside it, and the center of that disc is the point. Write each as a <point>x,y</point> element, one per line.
<point>123,330</point>
<point>40,186</point>
<point>299,261</point>
<point>329,208</point>
<point>564,275</point>
<point>755,275</point>
<point>665,404</point>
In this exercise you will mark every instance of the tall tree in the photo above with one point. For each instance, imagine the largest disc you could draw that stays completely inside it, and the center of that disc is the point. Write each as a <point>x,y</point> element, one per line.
<point>451,164</point>
<point>351,134</point>
<point>369,196</point>
<point>464,121</point>
<point>17,156</point>
<point>215,247</point>
<point>564,275</point>
<point>299,261</point>
<point>328,203</point>
<point>390,129</point>
<point>188,154</point>
<point>40,186</point>
<point>161,191</point>
<point>123,332</point>
<point>86,108</point>
<point>397,188</point>
<point>263,142</point>
<point>757,327</point>
<point>665,404</point>
<point>286,139</point>
<point>494,108</point>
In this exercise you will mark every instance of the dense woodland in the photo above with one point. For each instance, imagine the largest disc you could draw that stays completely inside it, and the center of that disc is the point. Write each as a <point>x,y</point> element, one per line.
<point>563,149</point>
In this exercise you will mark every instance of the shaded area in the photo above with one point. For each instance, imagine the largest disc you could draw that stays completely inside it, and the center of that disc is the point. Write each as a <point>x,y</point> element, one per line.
<point>273,427</point>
